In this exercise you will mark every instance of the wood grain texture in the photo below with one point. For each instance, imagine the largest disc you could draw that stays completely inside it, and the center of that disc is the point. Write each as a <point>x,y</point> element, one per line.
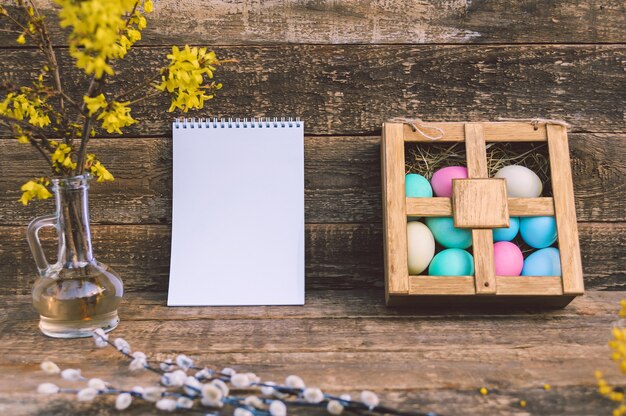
<point>394,210</point>
<point>492,132</point>
<point>342,180</point>
<point>529,285</point>
<point>480,203</point>
<point>565,211</point>
<point>568,400</point>
<point>489,207</point>
<point>352,89</point>
<point>517,207</point>
<point>441,285</point>
<point>396,21</point>
<point>350,336</point>
<point>338,256</point>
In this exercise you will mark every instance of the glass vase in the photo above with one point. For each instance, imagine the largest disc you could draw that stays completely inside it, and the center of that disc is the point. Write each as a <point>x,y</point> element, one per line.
<point>77,294</point>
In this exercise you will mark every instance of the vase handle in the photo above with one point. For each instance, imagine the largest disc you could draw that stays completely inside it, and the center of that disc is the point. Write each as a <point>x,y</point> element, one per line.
<point>32,235</point>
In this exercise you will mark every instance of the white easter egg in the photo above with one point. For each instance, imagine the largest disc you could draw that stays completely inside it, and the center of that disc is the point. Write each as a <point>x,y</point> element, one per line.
<point>421,246</point>
<point>521,182</point>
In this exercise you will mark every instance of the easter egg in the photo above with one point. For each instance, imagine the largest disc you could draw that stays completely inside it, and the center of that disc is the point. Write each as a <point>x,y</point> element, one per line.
<point>417,186</point>
<point>508,259</point>
<point>447,234</point>
<point>538,232</point>
<point>421,247</point>
<point>544,262</point>
<point>521,182</point>
<point>452,262</point>
<point>442,179</point>
<point>507,234</point>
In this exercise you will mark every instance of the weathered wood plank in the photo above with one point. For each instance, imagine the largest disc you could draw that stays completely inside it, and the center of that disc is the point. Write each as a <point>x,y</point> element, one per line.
<point>578,400</point>
<point>341,341</point>
<point>353,89</point>
<point>338,256</point>
<point>349,304</point>
<point>396,21</point>
<point>404,350</point>
<point>342,180</point>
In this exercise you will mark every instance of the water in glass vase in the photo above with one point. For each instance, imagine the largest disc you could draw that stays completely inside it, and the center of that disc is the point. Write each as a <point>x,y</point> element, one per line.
<point>77,294</point>
<point>77,301</point>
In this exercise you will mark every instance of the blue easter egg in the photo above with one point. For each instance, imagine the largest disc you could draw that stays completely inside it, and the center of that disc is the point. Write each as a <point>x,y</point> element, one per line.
<point>544,262</point>
<point>507,234</point>
<point>447,234</point>
<point>452,262</point>
<point>417,186</point>
<point>538,232</point>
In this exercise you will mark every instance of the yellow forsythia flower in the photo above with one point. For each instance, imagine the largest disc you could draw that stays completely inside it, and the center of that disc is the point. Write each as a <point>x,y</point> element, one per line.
<point>116,116</point>
<point>148,6</point>
<point>62,158</point>
<point>484,391</point>
<point>35,189</point>
<point>21,39</point>
<point>21,106</point>
<point>23,139</point>
<point>184,77</point>
<point>97,169</point>
<point>101,31</point>
<point>95,104</point>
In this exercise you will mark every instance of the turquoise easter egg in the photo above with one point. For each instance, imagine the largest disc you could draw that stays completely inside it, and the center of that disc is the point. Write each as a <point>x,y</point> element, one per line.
<point>544,262</point>
<point>447,234</point>
<point>452,262</point>
<point>417,186</point>
<point>507,234</point>
<point>538,232</point>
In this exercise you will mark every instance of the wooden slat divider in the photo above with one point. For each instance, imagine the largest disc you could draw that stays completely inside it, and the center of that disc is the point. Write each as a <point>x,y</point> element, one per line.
<point>482,239</point>
<point>529,285</point>
<point>565,210</point>
<point>442,207</point>
<point>394,210</point>
<point>438,285</point>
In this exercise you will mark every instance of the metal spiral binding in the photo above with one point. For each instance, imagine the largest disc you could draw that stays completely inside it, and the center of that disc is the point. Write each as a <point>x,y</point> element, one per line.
<point>237,123</point>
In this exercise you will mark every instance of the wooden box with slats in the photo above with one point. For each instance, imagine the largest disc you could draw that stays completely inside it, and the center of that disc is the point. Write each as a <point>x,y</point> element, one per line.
<point>484,286</point>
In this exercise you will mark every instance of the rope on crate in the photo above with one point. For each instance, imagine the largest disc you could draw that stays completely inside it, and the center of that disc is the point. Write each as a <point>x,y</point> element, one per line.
<point>419,126</point>
<point>536,121</point>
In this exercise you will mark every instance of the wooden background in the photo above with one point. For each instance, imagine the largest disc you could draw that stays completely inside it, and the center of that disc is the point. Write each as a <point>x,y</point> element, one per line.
<point>344,67</point>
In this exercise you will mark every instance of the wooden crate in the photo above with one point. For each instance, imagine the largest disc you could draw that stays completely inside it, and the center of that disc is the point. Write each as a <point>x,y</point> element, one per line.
<point>485,285</point>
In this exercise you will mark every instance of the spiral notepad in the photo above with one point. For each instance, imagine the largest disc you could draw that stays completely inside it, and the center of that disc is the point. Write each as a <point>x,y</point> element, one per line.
<point>237,212</point>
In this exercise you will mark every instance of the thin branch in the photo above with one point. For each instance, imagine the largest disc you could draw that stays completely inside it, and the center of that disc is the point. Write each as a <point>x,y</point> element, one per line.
<point>137,87</point>
<point>145,97</point>
<point>40,132</point>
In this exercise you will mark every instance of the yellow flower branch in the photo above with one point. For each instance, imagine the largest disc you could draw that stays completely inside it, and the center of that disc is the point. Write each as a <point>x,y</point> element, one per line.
<point>99,33</point>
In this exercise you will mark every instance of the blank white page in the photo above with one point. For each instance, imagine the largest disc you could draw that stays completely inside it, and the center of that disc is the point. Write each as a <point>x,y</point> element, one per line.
<point>237,213</point>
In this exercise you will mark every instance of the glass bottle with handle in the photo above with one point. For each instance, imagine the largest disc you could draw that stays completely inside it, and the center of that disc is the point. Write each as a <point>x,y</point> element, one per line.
<point>77,294</point>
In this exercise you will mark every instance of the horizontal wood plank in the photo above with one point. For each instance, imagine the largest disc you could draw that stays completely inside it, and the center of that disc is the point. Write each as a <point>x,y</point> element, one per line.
<point>438,285</point>
<point>579,400</point>
<point>338,256</point>
<point>396,21</point>
<point>529,285</point>
<point>342,180</point>
<point>332,87</point>
<point>455,132</point>
<point>349,336</point>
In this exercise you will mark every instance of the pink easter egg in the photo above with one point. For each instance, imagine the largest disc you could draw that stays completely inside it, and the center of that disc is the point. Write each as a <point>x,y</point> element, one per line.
<point>442,179</point>
<point>508,258</point>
